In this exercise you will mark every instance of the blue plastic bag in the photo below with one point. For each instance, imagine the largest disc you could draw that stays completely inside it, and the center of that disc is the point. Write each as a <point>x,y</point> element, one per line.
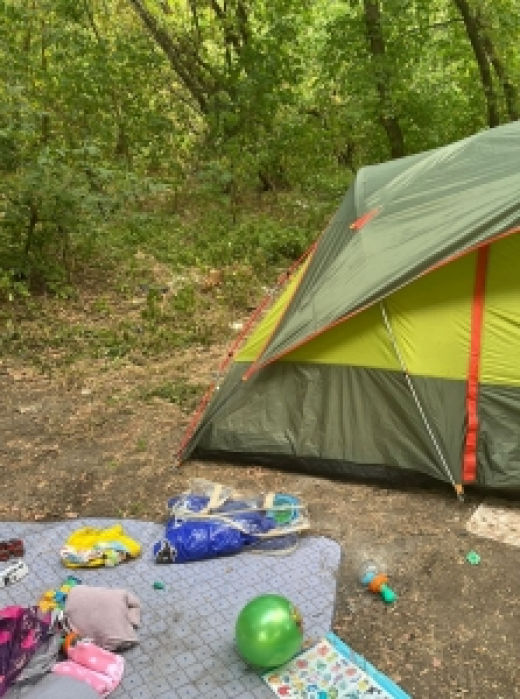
<point>196,540</point>
<point>210,522</point>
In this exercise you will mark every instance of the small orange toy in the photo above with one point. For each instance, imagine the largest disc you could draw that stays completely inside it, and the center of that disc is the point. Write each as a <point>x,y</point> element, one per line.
<point>377,582</point>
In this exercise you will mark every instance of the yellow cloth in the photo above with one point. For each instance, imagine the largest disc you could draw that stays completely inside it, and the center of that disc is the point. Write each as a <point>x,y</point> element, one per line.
<point>95,545</point>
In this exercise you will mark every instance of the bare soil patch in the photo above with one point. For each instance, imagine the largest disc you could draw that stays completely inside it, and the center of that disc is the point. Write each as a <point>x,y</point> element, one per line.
<point>96,440</point>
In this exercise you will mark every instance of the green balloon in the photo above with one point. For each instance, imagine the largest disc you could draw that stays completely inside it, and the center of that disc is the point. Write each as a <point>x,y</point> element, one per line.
<point>269,631</point>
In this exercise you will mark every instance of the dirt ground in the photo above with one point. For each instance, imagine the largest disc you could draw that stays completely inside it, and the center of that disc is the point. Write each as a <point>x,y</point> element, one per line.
<point>84,444</point>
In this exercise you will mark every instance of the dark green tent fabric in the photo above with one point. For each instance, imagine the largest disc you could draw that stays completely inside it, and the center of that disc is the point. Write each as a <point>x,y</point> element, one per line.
<point>304,411</point>
<point>428,210</point>
<point>430,207</point>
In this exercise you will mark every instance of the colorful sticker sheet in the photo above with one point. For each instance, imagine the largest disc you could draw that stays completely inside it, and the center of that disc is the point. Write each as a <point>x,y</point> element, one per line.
<point>331,670</point>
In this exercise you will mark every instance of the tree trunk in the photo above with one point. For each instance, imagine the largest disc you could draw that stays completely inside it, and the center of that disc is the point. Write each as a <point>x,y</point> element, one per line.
<point>508,87</point>
<point>477,44</point>
<point>122,147</point>
<point>346,155</point>
<point>387,117</point>
<point>46,117</point>
<point>30,233</point>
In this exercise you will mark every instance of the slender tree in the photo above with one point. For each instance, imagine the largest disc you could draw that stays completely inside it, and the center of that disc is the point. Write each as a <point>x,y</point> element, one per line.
<point>477,42</point>
<point>376,42</point>
<point>509,89</point>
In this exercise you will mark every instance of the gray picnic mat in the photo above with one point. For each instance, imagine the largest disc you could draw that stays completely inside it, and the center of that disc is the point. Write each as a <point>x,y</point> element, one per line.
<point>186,644</point>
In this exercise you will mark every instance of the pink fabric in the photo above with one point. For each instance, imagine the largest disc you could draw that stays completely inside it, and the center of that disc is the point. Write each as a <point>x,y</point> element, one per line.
<point>22,631</point>
<point>98,667</point>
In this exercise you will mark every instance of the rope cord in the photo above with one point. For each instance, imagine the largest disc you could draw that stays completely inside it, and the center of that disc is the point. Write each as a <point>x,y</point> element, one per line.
<point>276,532</point>
<point>203,513</point>
<point>409,381</point>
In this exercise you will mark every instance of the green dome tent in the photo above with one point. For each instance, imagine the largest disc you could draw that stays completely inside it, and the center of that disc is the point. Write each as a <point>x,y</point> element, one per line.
<point>395,347</point>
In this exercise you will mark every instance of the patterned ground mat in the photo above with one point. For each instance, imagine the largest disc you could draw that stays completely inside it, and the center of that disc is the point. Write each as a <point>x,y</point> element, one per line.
<point>186,644</point>
<point>498,523</point>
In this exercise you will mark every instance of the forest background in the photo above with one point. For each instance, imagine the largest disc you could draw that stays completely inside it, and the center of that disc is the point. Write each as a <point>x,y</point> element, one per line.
<point>172,157</point>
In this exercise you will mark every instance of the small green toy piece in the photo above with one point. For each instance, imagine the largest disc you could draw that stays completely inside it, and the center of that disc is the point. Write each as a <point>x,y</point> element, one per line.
<point>158,585</point>
<point>473,558</point>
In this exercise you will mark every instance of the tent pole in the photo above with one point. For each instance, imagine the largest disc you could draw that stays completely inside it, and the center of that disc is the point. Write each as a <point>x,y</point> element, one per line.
<point>457,486</point>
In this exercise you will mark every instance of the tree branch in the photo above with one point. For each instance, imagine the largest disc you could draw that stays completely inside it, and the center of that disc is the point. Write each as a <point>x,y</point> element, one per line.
<point>435,25</point>
<point>177,55</point>
<point>194,16</point>
<point>237,33</point>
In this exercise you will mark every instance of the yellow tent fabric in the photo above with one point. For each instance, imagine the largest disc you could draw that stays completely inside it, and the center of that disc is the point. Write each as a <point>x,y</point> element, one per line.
<point>265,328</point>
<point>500,364</point>
<point>430,318</point>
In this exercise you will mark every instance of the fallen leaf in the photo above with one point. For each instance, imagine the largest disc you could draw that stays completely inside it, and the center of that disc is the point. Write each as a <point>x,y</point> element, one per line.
<point>212,279</point>
<point>22,409</point>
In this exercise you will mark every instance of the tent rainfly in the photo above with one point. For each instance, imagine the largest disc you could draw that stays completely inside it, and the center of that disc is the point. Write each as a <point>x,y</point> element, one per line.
<point>395,345</point>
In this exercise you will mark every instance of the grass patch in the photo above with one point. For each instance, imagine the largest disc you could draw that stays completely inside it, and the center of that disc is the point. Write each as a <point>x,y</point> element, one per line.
<point>181,393</point>
<point>141,444</point>
<point>156,280</point>
<point>207,231</point>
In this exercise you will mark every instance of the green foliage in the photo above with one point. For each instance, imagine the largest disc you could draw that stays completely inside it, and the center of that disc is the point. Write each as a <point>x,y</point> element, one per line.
<point>184,302</point>
<point>45,204</point>
<point>252,94</point>
<point>429,68</point>
<point>212,135</point>
<point>78,128</point>
<point>52,209</point>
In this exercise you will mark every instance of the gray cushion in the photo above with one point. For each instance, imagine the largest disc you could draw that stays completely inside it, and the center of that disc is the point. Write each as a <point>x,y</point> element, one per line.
<point>54,686</point>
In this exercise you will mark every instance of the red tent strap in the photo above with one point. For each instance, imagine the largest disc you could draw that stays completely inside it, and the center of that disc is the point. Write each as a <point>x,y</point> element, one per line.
<point>363,220</point>
<point>469,459</point>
